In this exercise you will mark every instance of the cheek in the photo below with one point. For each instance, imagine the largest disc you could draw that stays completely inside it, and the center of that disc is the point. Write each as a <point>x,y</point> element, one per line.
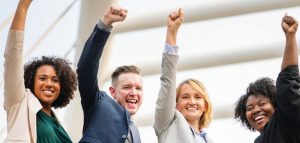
<point>201,103</point>
<point>180,104</point>
<point>140,95</point>
<point>36,86</point>
<point>272,110</point>
<point>248,116</point>
<point>57,86</point>
<point>121,95</point>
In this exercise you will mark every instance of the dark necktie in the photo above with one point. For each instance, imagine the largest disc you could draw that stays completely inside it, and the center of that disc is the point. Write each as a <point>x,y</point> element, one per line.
<point>135,133</point>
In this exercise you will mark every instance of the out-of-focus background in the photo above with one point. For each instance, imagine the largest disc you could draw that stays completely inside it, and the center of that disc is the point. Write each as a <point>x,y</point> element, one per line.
<point>224,44</point>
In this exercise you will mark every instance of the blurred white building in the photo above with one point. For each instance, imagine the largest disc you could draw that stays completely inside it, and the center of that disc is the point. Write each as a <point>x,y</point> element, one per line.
<point>224,44</point>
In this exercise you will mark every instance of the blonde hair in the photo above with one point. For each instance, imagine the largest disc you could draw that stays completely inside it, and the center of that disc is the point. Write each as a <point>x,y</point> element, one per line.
<point>197,85</point>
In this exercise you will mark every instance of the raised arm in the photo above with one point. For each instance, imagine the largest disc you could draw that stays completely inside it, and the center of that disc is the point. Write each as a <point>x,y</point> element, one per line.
<point>174,21</point>
<point>290,26</point>
<point>14,87</point>
<point>166,101</point>
<point>20,15</point>
<point>89,60</point>
<point>288,81</point>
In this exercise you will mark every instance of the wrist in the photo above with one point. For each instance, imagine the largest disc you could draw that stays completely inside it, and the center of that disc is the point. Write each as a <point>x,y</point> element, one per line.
<point>106,21</point>
<point>172,30</point>
<point>24,4</point>
<point>172,34</point>
<point>171,39</point>
<point>290,35</point>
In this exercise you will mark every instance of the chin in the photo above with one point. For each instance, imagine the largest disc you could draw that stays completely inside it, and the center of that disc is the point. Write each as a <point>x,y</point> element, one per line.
<point>261,127</point>
<point>193,115</point>
<point>131,111</point>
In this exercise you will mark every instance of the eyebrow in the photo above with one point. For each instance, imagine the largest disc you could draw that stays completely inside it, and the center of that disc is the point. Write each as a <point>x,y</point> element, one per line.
<point>47,75</point>
<point>41,75</point>
<point>262,99</point>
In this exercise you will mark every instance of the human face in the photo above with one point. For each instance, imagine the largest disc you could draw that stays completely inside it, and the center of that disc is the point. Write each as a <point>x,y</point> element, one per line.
<point>259,110</point>
<point>46,85</point>
<point>190,103</point>
<point>128,91</point>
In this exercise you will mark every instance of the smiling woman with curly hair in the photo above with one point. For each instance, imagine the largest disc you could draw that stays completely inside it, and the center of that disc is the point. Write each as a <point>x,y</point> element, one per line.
<point>263,87</point>
<point>32,90</point>
<point>274,111</point>
<point>65,74</point>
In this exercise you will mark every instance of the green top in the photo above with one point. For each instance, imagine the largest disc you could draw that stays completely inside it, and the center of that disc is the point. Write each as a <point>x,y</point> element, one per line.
<point>49,130</point>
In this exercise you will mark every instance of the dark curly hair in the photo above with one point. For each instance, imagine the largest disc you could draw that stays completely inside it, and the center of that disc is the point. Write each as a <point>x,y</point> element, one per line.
<point>264,87</point>
<point>66,75</point>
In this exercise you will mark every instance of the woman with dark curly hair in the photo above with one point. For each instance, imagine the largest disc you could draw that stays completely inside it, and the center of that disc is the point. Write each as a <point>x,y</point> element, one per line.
<point>272,110</point>
<point>31,91</point>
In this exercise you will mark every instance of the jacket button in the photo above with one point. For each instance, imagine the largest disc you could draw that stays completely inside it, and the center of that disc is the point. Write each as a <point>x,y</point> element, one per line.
<point>124,136</point>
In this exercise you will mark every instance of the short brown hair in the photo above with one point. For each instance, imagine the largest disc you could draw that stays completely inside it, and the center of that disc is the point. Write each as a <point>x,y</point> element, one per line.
<point>197,85</point>
<point>124,69</point>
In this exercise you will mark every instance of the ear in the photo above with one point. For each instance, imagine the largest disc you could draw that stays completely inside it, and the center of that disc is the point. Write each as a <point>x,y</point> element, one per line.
<point>206,106</point>
<point>112,92</point>
<point>176,106</point>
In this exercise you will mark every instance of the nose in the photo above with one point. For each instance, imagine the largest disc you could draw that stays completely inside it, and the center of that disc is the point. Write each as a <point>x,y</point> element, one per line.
<point>256,109</point>
<point>133,92</point>
<point>192,101</point>
<point>49,83</point>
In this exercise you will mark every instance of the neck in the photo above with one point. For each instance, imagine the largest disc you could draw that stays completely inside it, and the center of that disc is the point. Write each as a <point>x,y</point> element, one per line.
<point>47,111</point>
<point>195,125</point>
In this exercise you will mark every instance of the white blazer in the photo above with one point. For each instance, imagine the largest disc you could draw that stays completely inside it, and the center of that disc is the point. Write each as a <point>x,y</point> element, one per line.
<point>20,104</point>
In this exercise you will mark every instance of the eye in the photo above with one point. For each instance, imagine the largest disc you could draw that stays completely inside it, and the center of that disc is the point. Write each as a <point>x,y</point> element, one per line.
<point>249,108</point>
<point>262,103</point>
<point>126,87</point>
<point>198,97</point>
<point>42,78</point>
<point>55,80</point>
<point>139,88</point>
<point>185,97</point>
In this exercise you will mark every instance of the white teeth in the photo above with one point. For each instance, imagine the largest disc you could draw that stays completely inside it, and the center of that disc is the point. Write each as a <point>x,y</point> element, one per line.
<point>258,118</point>
<point>47,92</point>
<point>191,108</point>
<point>131,101</point>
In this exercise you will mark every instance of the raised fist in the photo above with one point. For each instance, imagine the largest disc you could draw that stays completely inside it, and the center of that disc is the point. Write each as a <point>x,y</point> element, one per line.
<point>175,19</point>
<point>114,14</point>
<point>289,25</point>
<point>288,20</point>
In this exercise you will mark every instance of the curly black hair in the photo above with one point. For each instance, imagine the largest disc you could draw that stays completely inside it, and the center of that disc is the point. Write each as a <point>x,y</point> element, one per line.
<point>264,87</point>
<point>67,77</point>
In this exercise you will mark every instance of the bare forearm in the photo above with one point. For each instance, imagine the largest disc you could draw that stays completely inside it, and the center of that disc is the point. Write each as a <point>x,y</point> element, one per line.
<point>20,16</point>
<point>171,37</point>
<point>290,56</point>
<point>174,21</point>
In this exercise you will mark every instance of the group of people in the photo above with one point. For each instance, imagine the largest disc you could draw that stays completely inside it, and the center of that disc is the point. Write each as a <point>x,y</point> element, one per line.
<point>181,114</point>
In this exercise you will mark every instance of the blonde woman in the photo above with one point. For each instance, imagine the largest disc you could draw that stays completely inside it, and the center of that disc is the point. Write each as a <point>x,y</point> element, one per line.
<point>181,114</point>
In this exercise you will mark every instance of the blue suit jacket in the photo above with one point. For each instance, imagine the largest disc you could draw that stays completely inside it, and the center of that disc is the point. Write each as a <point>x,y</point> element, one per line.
<point>105,121</point>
